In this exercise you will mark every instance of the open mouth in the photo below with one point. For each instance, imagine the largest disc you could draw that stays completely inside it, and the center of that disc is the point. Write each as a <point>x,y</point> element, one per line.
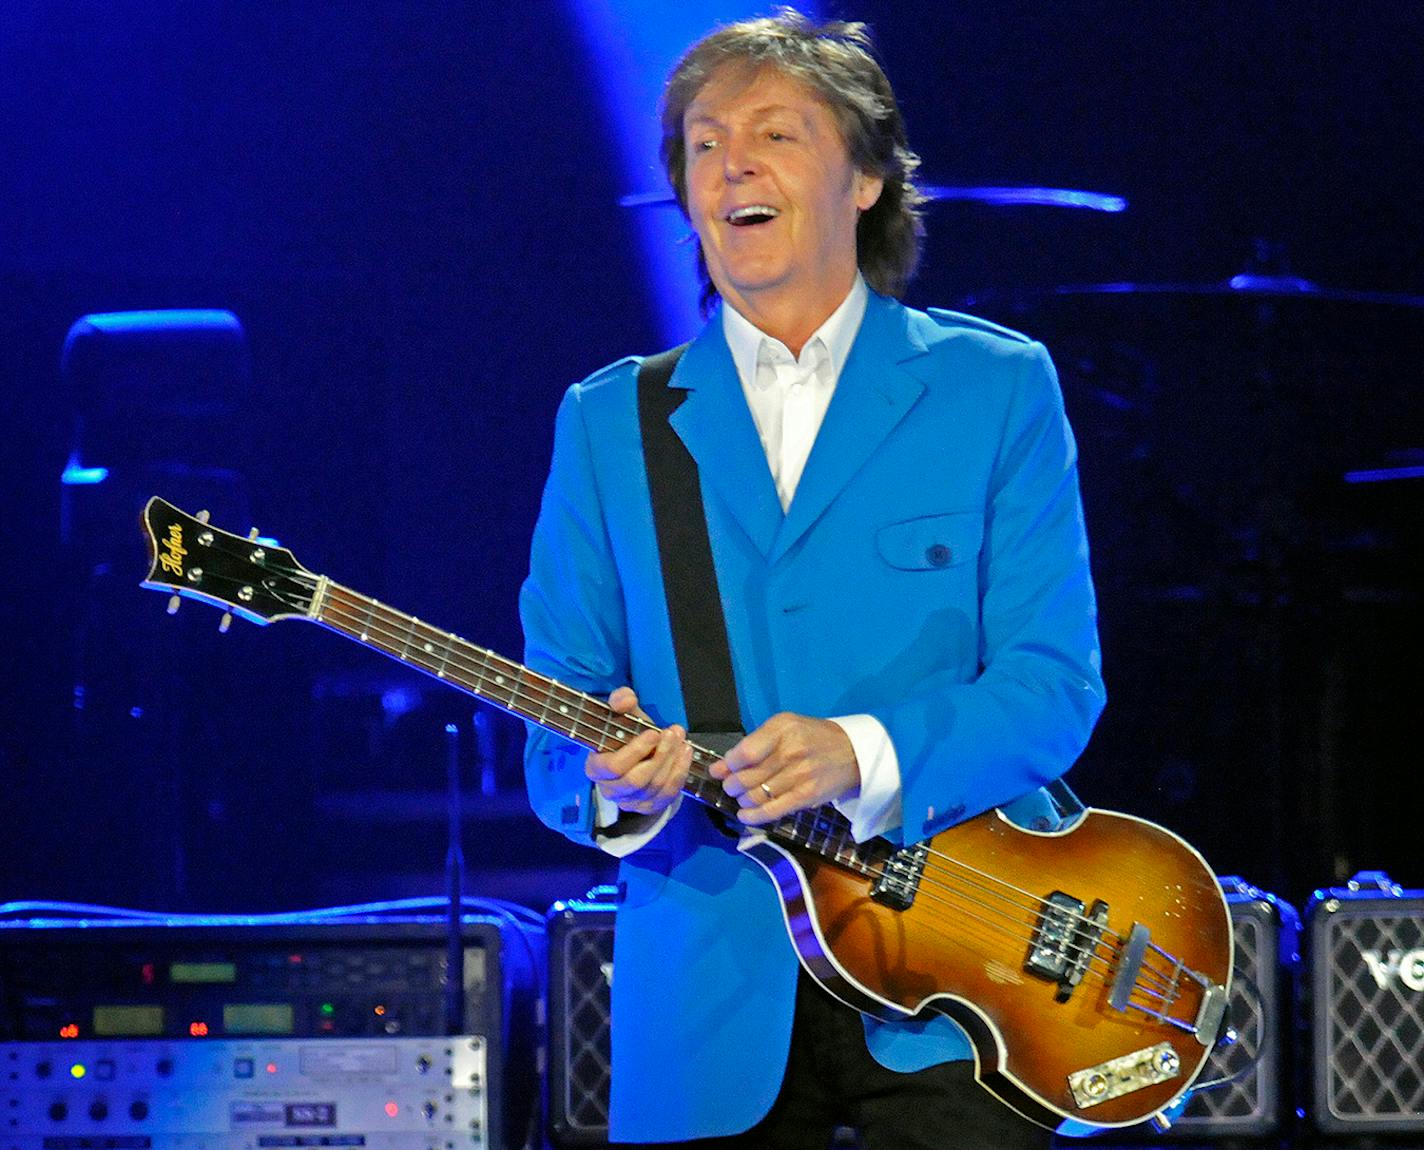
<point>751,215</point>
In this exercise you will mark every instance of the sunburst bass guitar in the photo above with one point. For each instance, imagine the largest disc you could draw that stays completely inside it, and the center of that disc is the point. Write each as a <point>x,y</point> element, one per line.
<point>1088,966</point>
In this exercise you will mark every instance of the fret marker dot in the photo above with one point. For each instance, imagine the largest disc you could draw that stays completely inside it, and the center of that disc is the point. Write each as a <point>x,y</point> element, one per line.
<point>499,679</point>
<point>430,648</point>
<point>563,710</point>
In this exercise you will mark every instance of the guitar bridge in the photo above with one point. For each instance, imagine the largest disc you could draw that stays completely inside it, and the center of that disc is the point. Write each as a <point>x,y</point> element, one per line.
<point>900,877</point>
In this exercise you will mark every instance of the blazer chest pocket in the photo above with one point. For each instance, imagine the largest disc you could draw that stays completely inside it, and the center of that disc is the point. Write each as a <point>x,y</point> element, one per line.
<point>932,542</point>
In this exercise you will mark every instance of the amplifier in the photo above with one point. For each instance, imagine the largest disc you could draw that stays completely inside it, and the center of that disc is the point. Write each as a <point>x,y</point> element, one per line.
<point>220,1033</point>
<point>1367,1006</point>
<point>1267,934</point>
<point>580,935</point>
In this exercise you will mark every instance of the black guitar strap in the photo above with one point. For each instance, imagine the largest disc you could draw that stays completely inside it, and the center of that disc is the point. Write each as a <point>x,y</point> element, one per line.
<point>699,629</point>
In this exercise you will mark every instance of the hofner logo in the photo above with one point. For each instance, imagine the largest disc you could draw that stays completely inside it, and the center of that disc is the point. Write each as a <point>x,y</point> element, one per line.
<point>1405,965</point>
<point>172,561</point>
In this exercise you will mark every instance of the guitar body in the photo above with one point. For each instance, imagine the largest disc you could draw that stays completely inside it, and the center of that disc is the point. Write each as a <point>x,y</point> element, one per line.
<point>960,949</point>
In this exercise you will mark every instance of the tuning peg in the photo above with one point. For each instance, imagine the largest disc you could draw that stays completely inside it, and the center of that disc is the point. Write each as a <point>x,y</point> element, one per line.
<point>252,535</point>
<point>225,622</point>
<point>201,517</point>
<point>173,601</point>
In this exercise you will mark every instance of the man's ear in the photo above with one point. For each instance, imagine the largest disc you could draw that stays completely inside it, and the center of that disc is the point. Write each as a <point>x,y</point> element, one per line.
<point>867,189</point>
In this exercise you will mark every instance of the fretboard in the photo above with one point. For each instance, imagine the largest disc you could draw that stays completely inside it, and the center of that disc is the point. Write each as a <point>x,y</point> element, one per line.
<point>568,712</point>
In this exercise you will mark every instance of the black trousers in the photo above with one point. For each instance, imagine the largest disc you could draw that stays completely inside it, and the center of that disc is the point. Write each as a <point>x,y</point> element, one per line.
<point>832,1081</point>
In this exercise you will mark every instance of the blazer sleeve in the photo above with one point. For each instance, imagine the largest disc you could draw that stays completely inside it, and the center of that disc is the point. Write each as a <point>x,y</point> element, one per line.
<point>571,608</point>
<point>966,747</point>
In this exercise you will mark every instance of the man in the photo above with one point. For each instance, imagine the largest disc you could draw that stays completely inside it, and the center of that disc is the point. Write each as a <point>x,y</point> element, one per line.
<point>892,505</point>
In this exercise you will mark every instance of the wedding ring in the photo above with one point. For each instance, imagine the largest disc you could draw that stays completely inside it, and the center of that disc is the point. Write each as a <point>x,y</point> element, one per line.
<point>766,790</point>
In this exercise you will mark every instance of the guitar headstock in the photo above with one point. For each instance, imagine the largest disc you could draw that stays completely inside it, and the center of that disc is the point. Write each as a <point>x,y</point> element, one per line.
<point>192,558</point>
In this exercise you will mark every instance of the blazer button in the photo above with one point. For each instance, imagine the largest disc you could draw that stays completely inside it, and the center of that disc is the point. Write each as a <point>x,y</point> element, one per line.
<point>937,555</point>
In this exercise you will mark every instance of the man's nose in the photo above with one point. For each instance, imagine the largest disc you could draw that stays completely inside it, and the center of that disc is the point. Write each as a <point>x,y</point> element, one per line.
<point>738,160</point>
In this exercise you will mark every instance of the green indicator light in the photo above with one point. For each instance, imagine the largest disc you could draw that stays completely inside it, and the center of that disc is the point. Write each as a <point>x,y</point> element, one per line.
<point>78,1070</point>
<point>327,1008</point>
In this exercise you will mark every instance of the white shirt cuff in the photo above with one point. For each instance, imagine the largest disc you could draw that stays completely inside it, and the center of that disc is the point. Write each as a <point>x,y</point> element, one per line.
<point>876,809</point>
<point>641,828</point>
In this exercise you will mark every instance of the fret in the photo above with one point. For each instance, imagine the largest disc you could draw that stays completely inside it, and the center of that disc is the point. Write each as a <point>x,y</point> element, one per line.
<point>498,685</point>
<point>427,648</point>
<point>580,725</point>
<point>565,726</point>
<point>389,624</point>
<point>460,675</point>
<point>446,647</point>
<point>517,691</point>
<point>547,698</point>
<point>410,627</point>
<point>483,676</point>
<point>608,717</point>
<point>365,633</point>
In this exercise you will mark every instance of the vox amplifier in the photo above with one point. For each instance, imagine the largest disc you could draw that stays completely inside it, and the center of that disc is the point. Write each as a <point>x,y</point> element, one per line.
<point>1252,1070</point>
<point>580,936</point>
<point>1367,1006</point>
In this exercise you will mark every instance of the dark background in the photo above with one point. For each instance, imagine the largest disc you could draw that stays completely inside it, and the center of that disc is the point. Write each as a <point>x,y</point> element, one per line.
<point>413,210</point>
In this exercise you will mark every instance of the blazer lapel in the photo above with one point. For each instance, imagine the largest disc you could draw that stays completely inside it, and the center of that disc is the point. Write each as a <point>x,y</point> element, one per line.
<point>875,392</point>
<point>716,426</point>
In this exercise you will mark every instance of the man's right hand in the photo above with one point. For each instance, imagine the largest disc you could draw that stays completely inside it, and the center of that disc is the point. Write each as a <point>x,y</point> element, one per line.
<point>647,774</point>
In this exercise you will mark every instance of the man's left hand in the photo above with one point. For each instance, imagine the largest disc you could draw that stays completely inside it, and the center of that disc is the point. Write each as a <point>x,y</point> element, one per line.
<point>790,763</point>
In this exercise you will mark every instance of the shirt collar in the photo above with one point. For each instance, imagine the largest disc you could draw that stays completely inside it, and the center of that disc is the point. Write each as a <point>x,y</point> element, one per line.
<point>836,335</point>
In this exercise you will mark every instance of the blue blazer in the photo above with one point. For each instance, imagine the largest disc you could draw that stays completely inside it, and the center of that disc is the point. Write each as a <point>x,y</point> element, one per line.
<point>932,571</point>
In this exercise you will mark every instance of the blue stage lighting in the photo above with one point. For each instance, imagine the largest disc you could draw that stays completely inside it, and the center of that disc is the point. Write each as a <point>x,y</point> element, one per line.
<point>1044,197</point>
<point>1385,474</point>
<point>634,45</point>
<point>75,474</point>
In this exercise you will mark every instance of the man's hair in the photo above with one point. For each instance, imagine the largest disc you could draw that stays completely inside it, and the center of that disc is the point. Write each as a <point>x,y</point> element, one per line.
<point>835,61</point>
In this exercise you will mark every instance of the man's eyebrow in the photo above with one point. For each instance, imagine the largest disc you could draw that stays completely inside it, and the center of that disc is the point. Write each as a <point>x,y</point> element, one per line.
<point>695,117</point>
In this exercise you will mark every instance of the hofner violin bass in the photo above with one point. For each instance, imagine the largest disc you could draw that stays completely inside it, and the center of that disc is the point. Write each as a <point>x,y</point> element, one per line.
<point>1089,966</point>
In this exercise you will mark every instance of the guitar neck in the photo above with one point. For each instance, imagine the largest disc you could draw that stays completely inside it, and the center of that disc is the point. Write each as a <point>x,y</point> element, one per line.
<point>512,687</point>
<point>264,582</point>
<point>576,716</point>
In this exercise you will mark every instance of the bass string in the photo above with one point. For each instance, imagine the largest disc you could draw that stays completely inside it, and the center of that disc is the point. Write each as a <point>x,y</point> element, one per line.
<point>1036,906</point>
<point>946,891</point>
<point>1165,999</point>
<point>609,722</point>
<point>1033,900</point>
<point>371,620</point>
<point>1012,926</point>
<point>366,621</point>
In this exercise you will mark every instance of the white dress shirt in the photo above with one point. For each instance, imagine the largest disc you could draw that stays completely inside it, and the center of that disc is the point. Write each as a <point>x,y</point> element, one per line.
<point>788,397</point>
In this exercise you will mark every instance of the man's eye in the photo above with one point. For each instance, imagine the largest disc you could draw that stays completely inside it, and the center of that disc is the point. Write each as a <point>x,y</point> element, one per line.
<point>704,145</point>
<point>777,136</point>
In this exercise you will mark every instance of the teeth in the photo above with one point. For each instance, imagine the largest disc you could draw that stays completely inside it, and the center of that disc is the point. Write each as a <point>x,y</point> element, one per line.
<point>751,210</point>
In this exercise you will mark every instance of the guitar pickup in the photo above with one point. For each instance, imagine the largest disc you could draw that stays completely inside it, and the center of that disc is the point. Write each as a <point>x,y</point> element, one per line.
<point>899,878</point>
<point>1065,940</point>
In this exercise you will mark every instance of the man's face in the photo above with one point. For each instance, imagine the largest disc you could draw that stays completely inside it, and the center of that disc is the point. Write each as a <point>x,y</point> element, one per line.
<point>772,193</point>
